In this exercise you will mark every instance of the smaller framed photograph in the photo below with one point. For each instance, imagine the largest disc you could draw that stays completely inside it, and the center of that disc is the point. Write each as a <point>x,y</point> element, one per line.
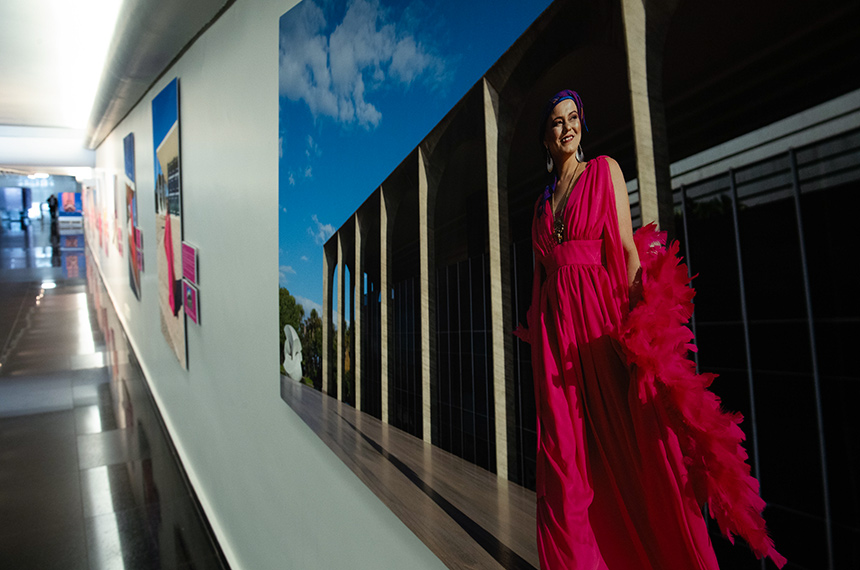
<point>191,298</point>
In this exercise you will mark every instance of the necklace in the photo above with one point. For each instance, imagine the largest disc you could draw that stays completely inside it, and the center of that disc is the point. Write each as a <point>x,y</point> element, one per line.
<point>558,213</point>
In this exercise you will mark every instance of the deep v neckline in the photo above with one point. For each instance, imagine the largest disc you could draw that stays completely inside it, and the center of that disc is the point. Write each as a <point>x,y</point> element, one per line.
<point>558,227</point>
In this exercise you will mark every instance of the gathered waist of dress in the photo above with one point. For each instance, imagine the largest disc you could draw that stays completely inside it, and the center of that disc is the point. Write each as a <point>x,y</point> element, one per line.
<point>574,252</point>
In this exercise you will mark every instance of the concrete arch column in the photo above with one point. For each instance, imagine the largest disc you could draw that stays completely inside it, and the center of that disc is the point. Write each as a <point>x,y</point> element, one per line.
<point>346,249</point>
<point>428,186</point>
<point>330,257</point>
<point>358,306</point>
<point>499,241</point>
<point>385,304</point>
<point>645,26</point>
<point>340,309</point>
<point>389,201</point>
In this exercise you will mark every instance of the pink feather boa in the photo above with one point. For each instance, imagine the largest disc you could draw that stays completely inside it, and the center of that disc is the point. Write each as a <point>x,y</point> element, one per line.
<point>710,437</point>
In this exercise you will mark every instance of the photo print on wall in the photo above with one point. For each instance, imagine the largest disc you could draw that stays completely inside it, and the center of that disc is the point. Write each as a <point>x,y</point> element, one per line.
<point>168,217</point>
<point>365,92</point>
<point>117,224</point>
<point>131,216</point>
<point>348,126</point>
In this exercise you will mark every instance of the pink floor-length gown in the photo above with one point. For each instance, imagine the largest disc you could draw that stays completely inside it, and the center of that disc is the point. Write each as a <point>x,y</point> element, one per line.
<point>168,253</point>
<point>613,489</point>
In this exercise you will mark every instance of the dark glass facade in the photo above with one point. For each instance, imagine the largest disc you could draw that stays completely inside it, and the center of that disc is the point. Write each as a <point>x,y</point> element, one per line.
<point>405,392</point>
<point>371,351</point>
<point>463,412</point>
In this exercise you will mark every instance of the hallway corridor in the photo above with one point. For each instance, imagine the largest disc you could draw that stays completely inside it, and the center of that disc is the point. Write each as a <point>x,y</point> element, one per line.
<point>88,475</point>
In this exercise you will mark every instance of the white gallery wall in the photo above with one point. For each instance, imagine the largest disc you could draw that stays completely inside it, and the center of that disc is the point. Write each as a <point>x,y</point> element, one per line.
<point>275,495</point>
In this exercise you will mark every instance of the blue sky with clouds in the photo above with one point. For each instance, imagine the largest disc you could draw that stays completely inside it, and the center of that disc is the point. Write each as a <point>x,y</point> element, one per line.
<point>361,83</point>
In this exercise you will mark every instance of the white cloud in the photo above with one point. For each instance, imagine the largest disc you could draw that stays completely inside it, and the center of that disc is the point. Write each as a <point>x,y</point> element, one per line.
<point>304,72</point>
<point>410,60</point>
<point>309,172</point>
<point>322,233</point>
<point>305,258</point>
<point>333,73</point>
<point>313,149</point>
<point>292,179</point>
<point>284,209</point>
<point>283,271</point>
<point>307,305</point>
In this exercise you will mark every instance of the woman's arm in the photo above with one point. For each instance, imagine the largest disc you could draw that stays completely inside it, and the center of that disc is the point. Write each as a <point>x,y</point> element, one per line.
<point>625,228</point>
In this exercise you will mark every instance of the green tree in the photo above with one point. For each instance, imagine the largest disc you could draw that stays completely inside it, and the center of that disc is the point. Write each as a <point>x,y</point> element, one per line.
<point>291,313</point>
<point>312,349</point>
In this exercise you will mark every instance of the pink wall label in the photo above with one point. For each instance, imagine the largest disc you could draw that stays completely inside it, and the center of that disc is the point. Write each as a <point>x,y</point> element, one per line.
<point>189,263</point>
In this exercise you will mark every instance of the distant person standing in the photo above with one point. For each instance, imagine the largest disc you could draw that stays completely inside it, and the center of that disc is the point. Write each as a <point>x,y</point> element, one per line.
<point>52,206</point>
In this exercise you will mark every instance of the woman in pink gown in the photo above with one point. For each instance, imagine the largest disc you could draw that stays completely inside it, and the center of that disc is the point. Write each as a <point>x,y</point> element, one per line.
<point>630,442</point>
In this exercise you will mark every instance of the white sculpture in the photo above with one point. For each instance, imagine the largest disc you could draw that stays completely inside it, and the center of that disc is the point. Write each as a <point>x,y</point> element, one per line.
<point>292,353</point>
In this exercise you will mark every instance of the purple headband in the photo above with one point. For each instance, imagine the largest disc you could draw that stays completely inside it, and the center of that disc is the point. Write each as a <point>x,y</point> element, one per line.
<point>558,98</point>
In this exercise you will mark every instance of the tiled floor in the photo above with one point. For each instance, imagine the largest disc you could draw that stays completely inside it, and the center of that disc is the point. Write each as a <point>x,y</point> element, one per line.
<point>88,478</point>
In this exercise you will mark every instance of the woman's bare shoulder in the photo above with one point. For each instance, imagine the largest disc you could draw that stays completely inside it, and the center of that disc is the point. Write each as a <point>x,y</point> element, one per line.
<point>611,163</point>
<point>614,169</point>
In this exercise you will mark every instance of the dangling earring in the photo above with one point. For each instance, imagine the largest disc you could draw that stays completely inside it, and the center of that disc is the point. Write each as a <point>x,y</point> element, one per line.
<point>549,164</point>
<point>580,156</point>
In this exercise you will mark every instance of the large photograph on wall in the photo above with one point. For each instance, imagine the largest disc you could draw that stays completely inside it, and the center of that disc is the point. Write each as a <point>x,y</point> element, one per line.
<point>361,83</point>
<point>168,217</point>
<point>380,100</point>
<point>131,215</point>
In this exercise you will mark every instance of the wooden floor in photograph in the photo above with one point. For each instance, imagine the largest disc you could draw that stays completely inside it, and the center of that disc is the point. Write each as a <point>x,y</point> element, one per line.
<point>467,516</point>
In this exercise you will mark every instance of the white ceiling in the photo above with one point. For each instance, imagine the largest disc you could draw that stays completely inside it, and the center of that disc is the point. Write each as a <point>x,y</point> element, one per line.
<point>52,85</point>
<point>51,56</point>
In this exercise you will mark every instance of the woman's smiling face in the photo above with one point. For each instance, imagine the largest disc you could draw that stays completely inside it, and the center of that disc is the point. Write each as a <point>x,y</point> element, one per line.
<point>563,130</point>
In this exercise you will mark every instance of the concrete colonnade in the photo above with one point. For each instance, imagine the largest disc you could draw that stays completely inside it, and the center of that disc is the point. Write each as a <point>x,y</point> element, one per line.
<point>351,237</point>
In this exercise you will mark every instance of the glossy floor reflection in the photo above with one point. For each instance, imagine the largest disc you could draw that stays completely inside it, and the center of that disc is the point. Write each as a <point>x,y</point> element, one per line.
<point>88,477</point>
